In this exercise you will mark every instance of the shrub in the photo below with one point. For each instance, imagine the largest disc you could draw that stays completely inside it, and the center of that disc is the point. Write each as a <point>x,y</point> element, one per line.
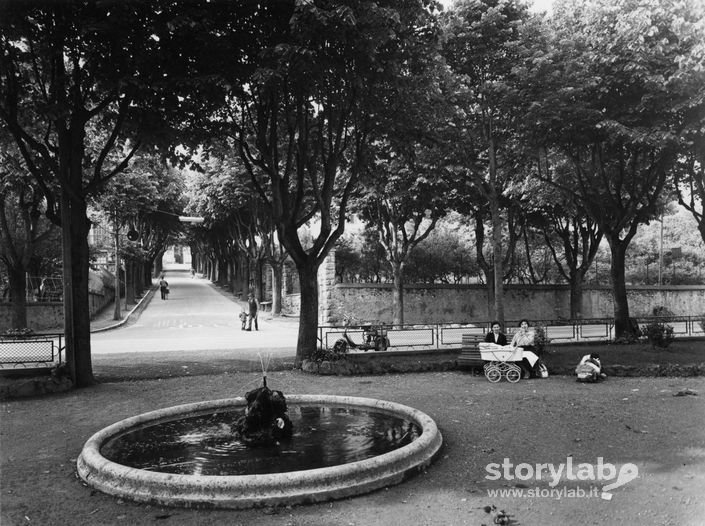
<point>18,332</point>
<point>701,322</point>
<point>540,339</point>
<point>338,352</point>
<point>659,334</point>
<point>661,311</point>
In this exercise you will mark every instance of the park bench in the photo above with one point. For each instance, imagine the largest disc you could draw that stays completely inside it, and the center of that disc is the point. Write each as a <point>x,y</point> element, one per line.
<point>21,352</point>
<point>265,306</point>
<point>470,356</point>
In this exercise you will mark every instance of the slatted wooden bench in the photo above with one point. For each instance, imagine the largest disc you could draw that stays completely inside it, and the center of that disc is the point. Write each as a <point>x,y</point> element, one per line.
<point>470,356</point>
<point>265,306</point>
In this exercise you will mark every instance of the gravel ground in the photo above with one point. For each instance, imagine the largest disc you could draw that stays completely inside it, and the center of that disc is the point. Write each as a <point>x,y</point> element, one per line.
<point>623,420</point>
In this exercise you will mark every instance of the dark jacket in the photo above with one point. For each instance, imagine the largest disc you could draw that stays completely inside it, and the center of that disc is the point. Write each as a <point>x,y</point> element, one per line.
<point>501,338</point>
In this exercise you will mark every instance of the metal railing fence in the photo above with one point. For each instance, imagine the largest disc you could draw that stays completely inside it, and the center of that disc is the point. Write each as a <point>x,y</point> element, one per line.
<point>449,335</point>
<point>31,350</point>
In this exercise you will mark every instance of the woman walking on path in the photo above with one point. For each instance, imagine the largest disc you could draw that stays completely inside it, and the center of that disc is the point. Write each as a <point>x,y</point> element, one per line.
<point>164,288</point>
<point>252,308</point>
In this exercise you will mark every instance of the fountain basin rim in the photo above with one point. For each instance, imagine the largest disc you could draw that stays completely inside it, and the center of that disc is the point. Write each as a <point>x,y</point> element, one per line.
<point>243,491</point>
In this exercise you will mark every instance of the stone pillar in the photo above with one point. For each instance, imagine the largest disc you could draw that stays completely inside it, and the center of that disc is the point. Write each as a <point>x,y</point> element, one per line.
<point>327,314</point>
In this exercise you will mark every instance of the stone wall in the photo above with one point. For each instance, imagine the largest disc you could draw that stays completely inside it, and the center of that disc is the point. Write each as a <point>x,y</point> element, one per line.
<point>467,303</point>
<point>49,316</point>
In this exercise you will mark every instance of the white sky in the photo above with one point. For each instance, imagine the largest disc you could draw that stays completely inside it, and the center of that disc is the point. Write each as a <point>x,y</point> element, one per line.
<point>541,5</point>
<point>538,5</point>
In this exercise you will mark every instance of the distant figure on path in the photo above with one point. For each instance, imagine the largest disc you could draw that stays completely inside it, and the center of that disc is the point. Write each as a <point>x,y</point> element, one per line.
<point>252,308</point>
<point>164,288</point>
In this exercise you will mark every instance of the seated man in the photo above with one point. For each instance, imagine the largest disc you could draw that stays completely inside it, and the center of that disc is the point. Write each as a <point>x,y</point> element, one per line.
<point>590,368</point>
<point>495,335</point>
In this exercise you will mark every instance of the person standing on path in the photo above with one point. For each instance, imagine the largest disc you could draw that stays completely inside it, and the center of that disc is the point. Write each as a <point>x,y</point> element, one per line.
<point>252,308</point>
<point>164,288</point>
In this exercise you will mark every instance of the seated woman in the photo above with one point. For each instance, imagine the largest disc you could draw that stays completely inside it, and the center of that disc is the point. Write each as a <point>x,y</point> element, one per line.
<point>524,338</point>
<point>495,335</point>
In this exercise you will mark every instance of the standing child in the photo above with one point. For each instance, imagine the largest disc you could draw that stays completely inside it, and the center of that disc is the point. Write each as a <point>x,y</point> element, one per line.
<point>243,318</point>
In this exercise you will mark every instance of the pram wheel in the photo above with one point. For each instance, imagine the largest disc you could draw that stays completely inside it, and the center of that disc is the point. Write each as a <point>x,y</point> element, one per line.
<point>513,373</point>
<point>493,373</point>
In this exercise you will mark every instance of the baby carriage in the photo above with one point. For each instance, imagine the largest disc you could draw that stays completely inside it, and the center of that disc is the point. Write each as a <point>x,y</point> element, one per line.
<point>501,361</point>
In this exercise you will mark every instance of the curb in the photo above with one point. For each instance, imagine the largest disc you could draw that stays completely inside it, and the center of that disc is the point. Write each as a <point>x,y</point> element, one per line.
<point>141,304</point>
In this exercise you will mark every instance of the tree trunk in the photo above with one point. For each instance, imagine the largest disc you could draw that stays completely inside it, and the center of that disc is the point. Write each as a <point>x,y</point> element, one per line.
<point>222,271</point>
<point>139,277</point>
<point>489,285</point>
<point>496,220</point>
<point>74,234</point>
<point>232,275</point>
<point>130,281</point>
<point>18,298</point>
<point>308,315</point>
<point>398,293</point>
<point>245,275</point>
<point>277,287</point>
<point>498,271</point>
<point>576,296</point>
<point>147,272</point>
<point>158,265</point>
<point>257,267</point>
<point>622,324</point>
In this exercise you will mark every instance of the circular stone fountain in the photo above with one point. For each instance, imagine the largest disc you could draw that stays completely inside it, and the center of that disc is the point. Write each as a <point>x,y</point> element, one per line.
<point>251,490</point>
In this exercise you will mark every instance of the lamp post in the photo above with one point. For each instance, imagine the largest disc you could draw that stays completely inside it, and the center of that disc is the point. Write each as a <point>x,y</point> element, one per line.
<point>660,254</point>
<point>117,315</point>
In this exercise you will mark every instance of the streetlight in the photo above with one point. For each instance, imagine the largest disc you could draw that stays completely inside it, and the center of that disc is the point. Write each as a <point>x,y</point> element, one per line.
<point>191,219</point>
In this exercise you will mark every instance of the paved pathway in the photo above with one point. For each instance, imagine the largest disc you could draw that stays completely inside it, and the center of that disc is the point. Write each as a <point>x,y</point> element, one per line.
<point>200,319</point>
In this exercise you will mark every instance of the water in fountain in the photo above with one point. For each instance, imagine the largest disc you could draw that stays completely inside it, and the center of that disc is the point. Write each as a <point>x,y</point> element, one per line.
<point>205,445</point>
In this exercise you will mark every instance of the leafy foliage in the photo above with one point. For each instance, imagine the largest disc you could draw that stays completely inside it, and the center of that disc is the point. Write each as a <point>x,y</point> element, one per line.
<point>541,340</point>
<point>336,353</point>
<point>659,334</point>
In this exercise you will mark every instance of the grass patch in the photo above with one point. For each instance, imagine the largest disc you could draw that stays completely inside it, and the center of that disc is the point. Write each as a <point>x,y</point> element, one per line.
<point>681,357</point>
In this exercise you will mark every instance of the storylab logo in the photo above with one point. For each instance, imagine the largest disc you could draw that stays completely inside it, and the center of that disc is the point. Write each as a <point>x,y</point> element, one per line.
<point>605,477</point>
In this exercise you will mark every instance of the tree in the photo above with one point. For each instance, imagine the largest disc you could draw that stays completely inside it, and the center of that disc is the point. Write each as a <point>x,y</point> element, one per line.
<point>82,85</point>
<point>22,228</point>
<point>403,202</point>
<point>690,82</point>
<point>304,118</point>
<point>406,188</point>
<point>568,231</point>
<point>481,43</point>
<point>609,104</point>
<point>223,194</point>
<point>55,81</point>
<point>146,197</point>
